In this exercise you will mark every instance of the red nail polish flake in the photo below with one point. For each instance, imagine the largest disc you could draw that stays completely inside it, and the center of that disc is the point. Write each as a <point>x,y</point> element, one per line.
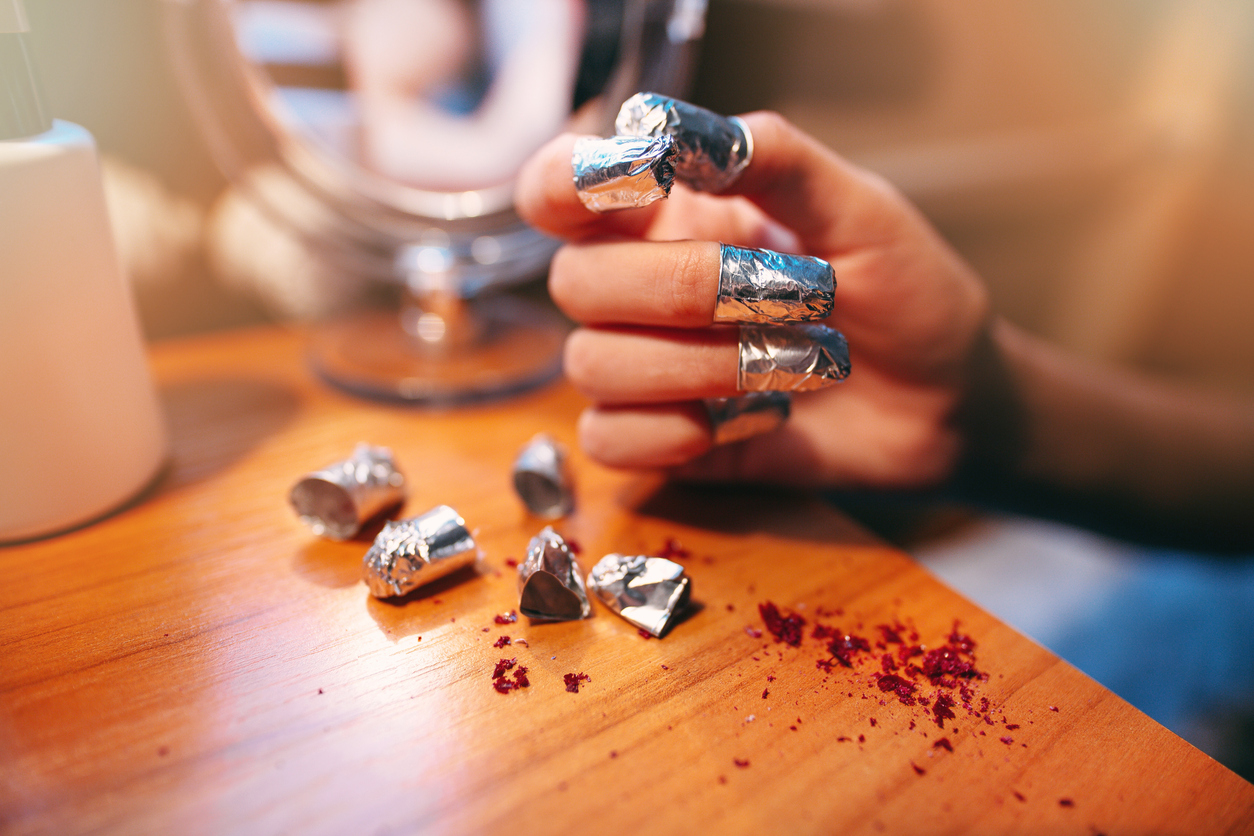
<point>1065,802</point>
<point>753,633</point>
<point>872,721</point>
<point>741,762</point>
<point>943,709</point>
<point>862,738</point>
<point>731,607</point>
<point>794,728</point>
<point>891,633</point>
<point>672,549</point>
<point>511,563</point>
<point>1019,795</point>
<point>644,634</point>
<point>572,681</point>
<point>502,666</point>
<point>843,739</point>
<point>573,545</point>
<point>903,688</point>
<point>765,691</point>
<point>844,647</point>
<point>786,629</point>
<point>1011,726</point>
<point>1007,740</point>
<point>1054,708</point>
<point>506,617</point>
<point>943,743</point>
<point>918,770</point>
<point>502,641</point>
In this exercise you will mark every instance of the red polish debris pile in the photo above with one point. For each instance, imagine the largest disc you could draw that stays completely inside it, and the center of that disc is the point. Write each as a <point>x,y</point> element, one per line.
<point>503,683</point>
<point>672,549</point>
<point>506,617</point>
<point>786,629</point>
<point>502,641</point>
<point>573,679</point>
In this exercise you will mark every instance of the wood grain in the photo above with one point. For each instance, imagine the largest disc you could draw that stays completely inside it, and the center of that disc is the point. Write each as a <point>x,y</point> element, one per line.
<point>199,663</point>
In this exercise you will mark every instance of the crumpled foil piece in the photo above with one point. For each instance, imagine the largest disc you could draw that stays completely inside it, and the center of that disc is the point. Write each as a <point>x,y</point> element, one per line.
<point>713,149</point>
<point>623,172</point>
<point>338,499</point>
<point>647,591</point>
<point>735,419</point>
<point>413,552</point>
<point>791,358</point>
<point>766,286</point>
<point>542,478</point>
<point>549,581</point>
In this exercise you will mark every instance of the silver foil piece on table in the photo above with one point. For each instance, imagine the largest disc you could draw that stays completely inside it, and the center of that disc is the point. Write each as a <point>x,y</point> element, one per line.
<point>413,552</point>
<point>647,591</point>
<point>713,149</point>
<point>766,286</point>
<point>623,172</point>
<point>542,478</point>
<point>338,499</point>
<point>791,358</point>
<point>550,584</point>
<point>735,419</point>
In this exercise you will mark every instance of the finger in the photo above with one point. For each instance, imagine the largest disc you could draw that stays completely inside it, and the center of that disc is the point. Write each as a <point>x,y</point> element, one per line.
<point>672,284</point>
<point>640,436</point>
<point>832,205</point>
<point>620,366</point>
<point>545,197</point>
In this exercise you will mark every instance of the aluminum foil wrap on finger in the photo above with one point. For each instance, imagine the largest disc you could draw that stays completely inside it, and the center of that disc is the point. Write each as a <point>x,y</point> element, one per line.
<point>623,172</point>
<point>647,591</point>
<point>735,419</point>
<point>338,499</point>
<point>551,586</point>
<point>766,286</point>
<point>791,358</point>
<point>542,478</point>
<point>713,149</point>
<point>413,552</point>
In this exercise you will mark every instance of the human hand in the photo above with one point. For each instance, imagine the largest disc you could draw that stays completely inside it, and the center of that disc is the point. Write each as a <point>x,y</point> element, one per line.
<point>643,285</point>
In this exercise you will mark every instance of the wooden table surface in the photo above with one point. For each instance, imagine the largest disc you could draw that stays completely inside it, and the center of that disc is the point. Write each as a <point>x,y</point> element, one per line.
<point>200,663</point>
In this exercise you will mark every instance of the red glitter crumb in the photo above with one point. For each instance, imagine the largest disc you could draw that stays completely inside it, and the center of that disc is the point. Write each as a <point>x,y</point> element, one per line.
<point>753,633</point>
<point>1011,726</point>
<point>1007,740</point>
<point>613,753</point>
<point>942,709</point>
<point>502,641</point>
<point>903,688</point>
<point>844,647</point>
<point>644,634</point>
<point>918,770</point>
<point>765,692</point>
<point>872,722</point>
<point>1053,708</point>
<point>731,607</point>
<point>511,563</point>
<point>502,683</point>
<point>502,666</point>
<point>770,677</point>
<point>1019,795</point>
<point>786,629</point>
<point>843,739</point>
<point>862,738</point>
<point>486,629</point>
<point>740,762</point>
<point>572,681</point>
<point>1065,802</point>
<point>943,743</point>
<point>573,545</point>
<point>506,617</point>
<point>673,550</point>
<point>794,728</point>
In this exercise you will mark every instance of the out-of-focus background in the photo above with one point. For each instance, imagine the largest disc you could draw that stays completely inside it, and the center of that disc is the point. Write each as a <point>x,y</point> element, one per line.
<point>1094,160</point>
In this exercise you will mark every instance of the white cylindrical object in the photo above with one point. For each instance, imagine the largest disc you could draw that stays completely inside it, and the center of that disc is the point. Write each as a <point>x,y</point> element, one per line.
<point>81,430</point>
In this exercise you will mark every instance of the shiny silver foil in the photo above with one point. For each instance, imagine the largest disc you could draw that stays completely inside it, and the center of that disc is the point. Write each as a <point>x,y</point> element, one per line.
<point>542,478</point>
<point>647,591</point>
<point>735,419</point>
<point>413,552</point>
<point>551,585</point>
<point>713,149</point>
<point>791,358</point>
<point>336,501</point>
<point>623,172</point>
<point>766,286</point>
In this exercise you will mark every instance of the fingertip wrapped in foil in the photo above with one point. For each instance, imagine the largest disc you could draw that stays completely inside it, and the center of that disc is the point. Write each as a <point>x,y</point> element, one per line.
<point>735,419</point>
<point>713,149</point>
<point>791,358</point>
<point>765,286</point>
<point>649,592</point>
<point>542,478</point>
<point>338,499</point>
<point>413,552</point>
<point>550,584</point>
<point>623,172</point>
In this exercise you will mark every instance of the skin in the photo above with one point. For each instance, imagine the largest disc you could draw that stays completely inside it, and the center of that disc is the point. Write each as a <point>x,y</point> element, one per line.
<point>944,394</point>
